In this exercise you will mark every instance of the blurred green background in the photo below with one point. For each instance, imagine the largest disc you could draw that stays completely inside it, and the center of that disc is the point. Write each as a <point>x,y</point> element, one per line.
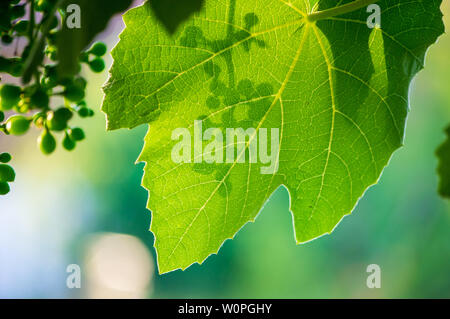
<point>87,208</point>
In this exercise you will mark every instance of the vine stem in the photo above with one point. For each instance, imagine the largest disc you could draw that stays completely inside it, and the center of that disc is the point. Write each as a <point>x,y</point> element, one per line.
<point>346,8</point>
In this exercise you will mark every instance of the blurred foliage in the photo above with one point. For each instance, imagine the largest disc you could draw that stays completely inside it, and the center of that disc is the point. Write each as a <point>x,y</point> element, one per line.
<point>443,153</point>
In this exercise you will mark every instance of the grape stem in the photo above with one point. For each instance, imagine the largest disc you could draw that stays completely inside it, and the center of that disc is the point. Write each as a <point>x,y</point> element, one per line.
<point>346,8</point>
<point>37,46</point>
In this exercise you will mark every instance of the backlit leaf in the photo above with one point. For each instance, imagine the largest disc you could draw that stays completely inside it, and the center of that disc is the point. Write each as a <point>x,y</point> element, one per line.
<point>336,90</point>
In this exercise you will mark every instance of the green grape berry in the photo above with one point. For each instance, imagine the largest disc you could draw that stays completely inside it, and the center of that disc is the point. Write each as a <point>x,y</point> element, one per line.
<point>83,112</point>
<point>74,93</point>
<point>5,158</point>
<point>57,120</point>
<point>98,49</point>
<point>10,96</point>
<point>80,82</point>
<point>7,39</point>
<point>97,65</point>
<point>76,134</point>
<point>50,76</point>
<point>64,113</point>
<point>47,142</point>
<point>7,173</point>
<point>68,143</point>
<point>4,188</point>
<point>10,92</point>
<point>17,125</point>
<point>40,99</point>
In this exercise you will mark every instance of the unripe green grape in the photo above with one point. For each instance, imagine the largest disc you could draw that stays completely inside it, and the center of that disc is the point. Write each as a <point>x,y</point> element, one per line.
<point>7,39</point>
<point>39,121</point>
<point>23,106</point>
<point>17,125</point>
<point>76,134</point>
<point>98,49</point>
<point>57,120</point>
<point>80,82</point>
<point>97,65</point>
<point>51,76</point>
<point>68,143</point>
<point>47,142</point>
<point>7,173</point>
<point>10,92</point>
<point>74,93</point>
<point>40,99</point>
<point>55,124</point>
<point>83,112</point>
<point>10,95</point>
<point>49,83</point>
<point>64,113</point>
<point>4,188</point>
<point>5,158</point>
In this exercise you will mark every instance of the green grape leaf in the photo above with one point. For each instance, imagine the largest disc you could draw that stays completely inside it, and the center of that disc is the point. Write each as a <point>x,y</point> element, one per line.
<point>336,91</point>
<point>443,154</point>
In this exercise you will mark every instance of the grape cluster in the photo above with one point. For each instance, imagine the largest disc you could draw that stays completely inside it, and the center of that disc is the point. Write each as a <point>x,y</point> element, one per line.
<point>7,173</point>
<point>30,104</point>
